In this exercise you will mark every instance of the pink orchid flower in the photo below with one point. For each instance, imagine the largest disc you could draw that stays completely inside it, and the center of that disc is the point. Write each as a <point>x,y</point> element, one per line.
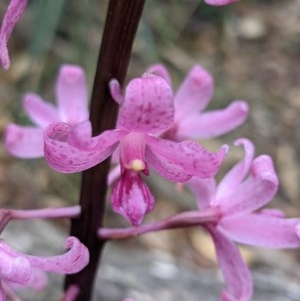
<point>71,94</point>
<point>146,110</point>
<point>13,14</point>
<point>191,99</point>
<point>220,2</point>
<point>19,270</point>
<point>235,199</point>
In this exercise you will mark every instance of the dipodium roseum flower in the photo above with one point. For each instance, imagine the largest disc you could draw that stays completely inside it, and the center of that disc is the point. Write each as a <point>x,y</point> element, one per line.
<point>72,108</point>
<point>146,110</point>
<point>235,200</point>
<point>191,98</point>
<point>22,270</point>
<point>11,17</point>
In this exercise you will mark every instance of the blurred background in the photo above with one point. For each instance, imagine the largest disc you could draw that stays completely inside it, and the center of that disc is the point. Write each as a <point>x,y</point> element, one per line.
<point>251,48</point>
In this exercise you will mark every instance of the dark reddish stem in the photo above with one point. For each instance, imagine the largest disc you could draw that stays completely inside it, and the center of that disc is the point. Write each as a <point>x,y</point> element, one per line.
<point>120,28</point>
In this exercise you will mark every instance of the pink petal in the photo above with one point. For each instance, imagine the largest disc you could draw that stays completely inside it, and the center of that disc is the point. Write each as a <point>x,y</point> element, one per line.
<point>179,161</point>
<point>24,142</point>
<point>14,267</point>
<point>71,262</point>
<point>262,230</point>
<point>67,158</point>
<point>194,93</point>
<point>214,123</point>
<point>11,17</point>
<point>116,91</point>
<point>220,2</point>
<point>256,191</point>
<point>114,174</point>
<point>39,111</point>
<point>204,191</point>
<point>160,70</point>
<point>131,197</point>
<point>235,272</point>
<point>235,176</point>
<point>71,90</point>
<point>148,105</point>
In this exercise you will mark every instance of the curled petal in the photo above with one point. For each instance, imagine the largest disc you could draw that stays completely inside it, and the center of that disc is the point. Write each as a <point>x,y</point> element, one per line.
<point>179,161</point>
<point>71,262</point>
<point>194,93</point>
<point>148,105</point>
<point>220,2</point>
<point>11,17</point>
<point>72,96</point>
<point>64,157</point>
<point>214,123</point>
<point>131,197</point>
<point>24,141</point>
<point>39,111</point>
<point>235,176</point>
<point>256,191</point>
<point>262,230</point>
<point>160,70</point>
<point>235,272</point>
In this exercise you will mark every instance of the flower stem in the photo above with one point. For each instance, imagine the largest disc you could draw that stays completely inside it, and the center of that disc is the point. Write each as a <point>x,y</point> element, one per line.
<point>120,28</point>
<point>181,220</point>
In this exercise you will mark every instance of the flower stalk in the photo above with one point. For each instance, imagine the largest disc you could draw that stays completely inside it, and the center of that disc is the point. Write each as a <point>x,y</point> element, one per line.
<point>181,220</point>
<point>121,24</point>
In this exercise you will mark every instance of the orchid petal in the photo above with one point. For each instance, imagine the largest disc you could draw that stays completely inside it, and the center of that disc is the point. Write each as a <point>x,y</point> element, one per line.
<point>235,272</point>
<point>71,90</point>
<point>214,123</point>
<point>14,267</point>
<point>194,93</point>
<point>39,111</point>
<point>262,230</point>
<point>179,161</point>
<point>160,70</point>
<point>131,197</point>
<point>24,141</point>
<point>235,176</point>
<point>148,105</point>
<point>220,2</point>
<point>67,158</point>
<point>13,14</point>
<point>203,189</point>
<point>114,174</point>
<point>71,262</point>
<point>256,191</point>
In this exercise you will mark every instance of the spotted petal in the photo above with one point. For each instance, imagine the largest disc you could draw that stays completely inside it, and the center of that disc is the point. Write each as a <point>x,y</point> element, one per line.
<point>11,17</point>
<point>179,161</point>
<point>131,197</point>
<point>148,105</point>
<point>65,157</point>
<point>70,262</point>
